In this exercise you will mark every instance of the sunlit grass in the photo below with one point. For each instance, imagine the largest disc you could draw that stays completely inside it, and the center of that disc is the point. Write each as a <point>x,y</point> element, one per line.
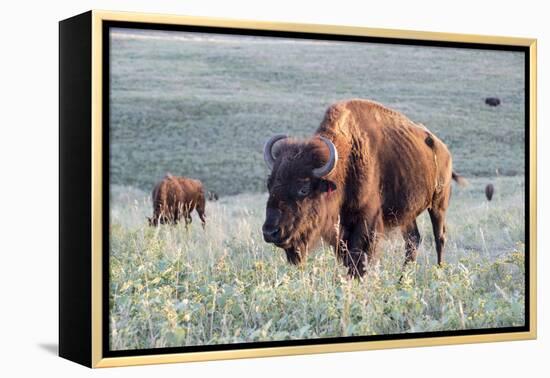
<point>172,287</point>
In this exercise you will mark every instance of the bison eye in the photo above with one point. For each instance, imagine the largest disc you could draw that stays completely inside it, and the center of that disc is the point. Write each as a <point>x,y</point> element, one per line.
<point>304,189</point>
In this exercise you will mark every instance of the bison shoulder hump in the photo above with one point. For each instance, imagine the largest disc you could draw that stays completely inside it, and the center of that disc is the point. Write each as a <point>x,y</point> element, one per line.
<point>335,112</point>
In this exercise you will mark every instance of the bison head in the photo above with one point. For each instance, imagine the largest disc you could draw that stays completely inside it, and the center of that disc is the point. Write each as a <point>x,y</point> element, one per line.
<point>298,186</point>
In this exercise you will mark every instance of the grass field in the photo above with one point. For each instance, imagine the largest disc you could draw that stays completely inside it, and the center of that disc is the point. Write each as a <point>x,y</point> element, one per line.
<point>203,107</point>
<point>172,287</point>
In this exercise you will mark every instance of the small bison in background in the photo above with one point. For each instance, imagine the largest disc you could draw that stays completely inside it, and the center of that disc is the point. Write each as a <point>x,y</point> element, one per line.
<point>175,198</point>
<point>492,101</point>
<point>489,191</point>
<point>213,196</point>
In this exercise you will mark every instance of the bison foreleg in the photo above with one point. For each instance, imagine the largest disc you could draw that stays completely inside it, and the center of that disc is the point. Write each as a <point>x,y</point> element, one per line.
<point>362,246</point>
<point>174,215</point>
<point>188,220</point>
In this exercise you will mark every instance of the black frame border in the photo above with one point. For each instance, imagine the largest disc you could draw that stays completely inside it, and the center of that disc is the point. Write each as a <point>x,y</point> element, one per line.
<point>106,25</point>
<point>75,192</point>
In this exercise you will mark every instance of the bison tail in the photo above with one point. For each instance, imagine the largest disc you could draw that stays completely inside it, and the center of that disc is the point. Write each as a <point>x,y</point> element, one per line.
<point>461,181</point>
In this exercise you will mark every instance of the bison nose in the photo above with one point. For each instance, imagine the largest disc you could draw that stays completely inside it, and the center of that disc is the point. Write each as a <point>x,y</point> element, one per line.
<point>271,233</point>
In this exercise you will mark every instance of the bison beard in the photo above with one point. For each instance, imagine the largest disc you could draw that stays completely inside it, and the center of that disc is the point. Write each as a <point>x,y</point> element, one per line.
<point>367,169</point>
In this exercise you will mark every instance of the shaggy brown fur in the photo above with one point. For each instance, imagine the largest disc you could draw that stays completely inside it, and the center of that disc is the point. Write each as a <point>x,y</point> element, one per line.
<point>389,170</point>
<point>175,198</point>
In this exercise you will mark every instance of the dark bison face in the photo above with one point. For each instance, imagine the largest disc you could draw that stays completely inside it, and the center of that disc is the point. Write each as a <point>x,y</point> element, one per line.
<point>297,189</point>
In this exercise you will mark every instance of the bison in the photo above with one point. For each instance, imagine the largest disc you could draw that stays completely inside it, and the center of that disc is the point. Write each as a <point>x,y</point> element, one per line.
<point>175,198</point>
<point>366,169</point>
<point>492,101</point>
<point>489,191</point>
<point>213,196</point>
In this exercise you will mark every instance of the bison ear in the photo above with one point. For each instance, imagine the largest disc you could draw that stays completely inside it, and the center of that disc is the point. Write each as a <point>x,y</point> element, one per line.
<point>327,186</point>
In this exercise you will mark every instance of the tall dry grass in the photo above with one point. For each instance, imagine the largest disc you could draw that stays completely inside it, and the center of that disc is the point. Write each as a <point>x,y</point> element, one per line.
<point>172,287</point>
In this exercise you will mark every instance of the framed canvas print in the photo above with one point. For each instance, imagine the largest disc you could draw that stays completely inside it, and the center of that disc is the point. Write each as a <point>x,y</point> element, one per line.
<point>234,189</point>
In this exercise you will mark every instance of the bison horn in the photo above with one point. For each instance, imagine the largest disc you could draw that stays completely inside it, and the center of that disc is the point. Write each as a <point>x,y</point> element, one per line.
<point>268,155</point>
<point>326,169</point>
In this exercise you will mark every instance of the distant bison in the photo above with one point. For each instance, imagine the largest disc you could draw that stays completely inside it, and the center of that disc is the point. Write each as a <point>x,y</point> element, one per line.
<point>213,196</point>
<point>489,191</point>
<point>492,101</point>
<point>367,168</point>
<point>175,198</point>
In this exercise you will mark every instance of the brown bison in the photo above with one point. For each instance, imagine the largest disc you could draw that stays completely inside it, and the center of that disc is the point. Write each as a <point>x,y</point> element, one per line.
<point>489,191</point>
<point>366,169</point>
<point>175,198</point>
<point>213,196</point>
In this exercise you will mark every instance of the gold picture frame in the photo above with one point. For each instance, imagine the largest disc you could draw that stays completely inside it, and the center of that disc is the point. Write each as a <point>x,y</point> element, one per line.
<point>87,32</point>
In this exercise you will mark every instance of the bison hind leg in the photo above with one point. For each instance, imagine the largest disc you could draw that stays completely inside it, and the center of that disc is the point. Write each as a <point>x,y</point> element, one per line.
<point>201,211</point>
<point>412,241</point>
<point>437,217</point>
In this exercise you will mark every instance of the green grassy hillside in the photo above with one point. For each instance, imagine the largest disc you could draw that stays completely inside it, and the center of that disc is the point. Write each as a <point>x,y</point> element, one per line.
<point>204,108</point>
